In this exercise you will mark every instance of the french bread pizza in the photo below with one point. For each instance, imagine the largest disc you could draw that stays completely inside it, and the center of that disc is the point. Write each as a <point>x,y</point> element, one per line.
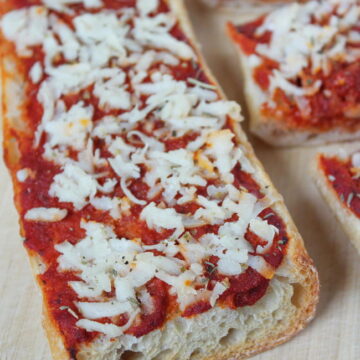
<point>337,176</point>
<point>301,67</point>
<point>152,229</point>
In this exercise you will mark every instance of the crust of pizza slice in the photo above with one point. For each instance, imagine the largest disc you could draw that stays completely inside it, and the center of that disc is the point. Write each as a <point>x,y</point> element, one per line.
<point>218,334</point>
<point>349,221</point>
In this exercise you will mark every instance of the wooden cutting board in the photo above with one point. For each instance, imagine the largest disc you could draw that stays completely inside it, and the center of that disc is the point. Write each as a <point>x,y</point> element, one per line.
<point>334,334</point>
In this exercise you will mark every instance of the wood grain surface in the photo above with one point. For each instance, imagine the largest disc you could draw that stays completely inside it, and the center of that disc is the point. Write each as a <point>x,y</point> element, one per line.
<point>333,335</point>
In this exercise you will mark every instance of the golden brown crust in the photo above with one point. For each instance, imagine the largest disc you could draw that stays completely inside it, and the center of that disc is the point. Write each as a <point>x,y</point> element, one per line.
<point>346,217</point>
<point>13,128</point>
<point>301,264</point>
<point>53,334</point>
<point>57,348</point>
<point>287,329</point>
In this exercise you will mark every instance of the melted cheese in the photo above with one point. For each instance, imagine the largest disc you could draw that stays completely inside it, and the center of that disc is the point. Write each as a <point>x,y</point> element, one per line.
<point>355,160</point>
<point>109,125</point>
<point>23,174</point>
<point>111,93</point>
<point>73,185</point>
<point>298,42</point>
<point>124,168</point>
<point>26,28</point>
<point>173,169</point>
<point>146,7</point>
<point>110,330</point>
<point>219,289</point>
<point>71,127</point>
<point>181,285</point>
<point>62,5</point>
<point>211,211</point>
<point>108,186</point>
<point>265,231</point>
<point>45,214</point>
<point>161,218</point>
<point>221,148</point>
<point>261,266</point>
<point>154,31</point>
<point>107,204</point>
<point>96,310</point>
<point>36,72</point>
<point>124,290</point>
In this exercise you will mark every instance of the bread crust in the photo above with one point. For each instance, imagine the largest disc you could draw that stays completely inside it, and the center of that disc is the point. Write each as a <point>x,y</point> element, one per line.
<point>302,267</point>
<point>56,344</point>
<point>349,221</point>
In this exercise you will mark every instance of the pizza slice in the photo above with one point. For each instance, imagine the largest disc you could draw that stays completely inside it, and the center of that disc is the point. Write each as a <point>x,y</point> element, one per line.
<point>338,178</point>
<point>302,72</point>
<point>152,229</point>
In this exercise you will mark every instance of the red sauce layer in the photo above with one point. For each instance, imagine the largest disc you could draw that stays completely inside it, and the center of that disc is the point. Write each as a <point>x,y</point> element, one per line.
<point>336,104</point>
<point>344,180</point>
<point>244,290</point>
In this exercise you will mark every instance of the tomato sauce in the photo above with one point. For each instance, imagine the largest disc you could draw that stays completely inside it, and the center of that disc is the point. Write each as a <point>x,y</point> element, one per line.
<point>176,143</point>
<point>343,180</point>
<point>246,36</point>
<point>334,105</point>
<point>244,290</point>
<point>59,298</point>
<point>159,292</point>
<point>244,179</point>
<point>247,288</point>
<point>197,308</point>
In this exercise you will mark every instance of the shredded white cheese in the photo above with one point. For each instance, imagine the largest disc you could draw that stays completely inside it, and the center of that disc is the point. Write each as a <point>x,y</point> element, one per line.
<point>23,174</point>
<point>73,185</point>
<point>299,41</point>
<point>26,28</point>
<point>265,231</point>
<point>71,127</point>
<point>110,330</point>
<point>36,72</point>
<point>161,218</point>
<point>219,289</point>
<point>355,160</point>
<point>154,31</point>
<point>45,214</point>
<point>146,7</point>
<point>62,5</point>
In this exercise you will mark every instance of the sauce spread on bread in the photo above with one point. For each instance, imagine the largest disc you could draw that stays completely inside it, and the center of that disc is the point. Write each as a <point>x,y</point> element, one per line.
<point>343,175</point>
<point>133,190</point>
<point>305,62</point>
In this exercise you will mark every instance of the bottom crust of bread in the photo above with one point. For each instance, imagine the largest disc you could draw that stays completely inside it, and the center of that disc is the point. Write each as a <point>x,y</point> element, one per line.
<point>349,221</point>
<point>274,134</point>
<point>219,334</point>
